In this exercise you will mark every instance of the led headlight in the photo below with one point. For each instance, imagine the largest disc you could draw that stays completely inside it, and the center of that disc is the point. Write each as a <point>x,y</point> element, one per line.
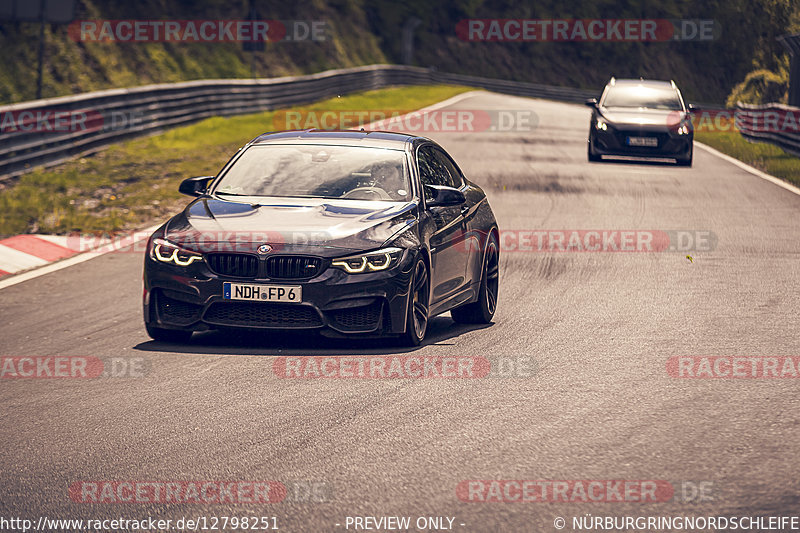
<point>166,252</point>
<point>684,128</point>
<point>601,124</point>
<point>370,262</point>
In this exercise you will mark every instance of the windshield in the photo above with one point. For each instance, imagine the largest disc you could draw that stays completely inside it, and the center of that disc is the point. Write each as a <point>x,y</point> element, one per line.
<point>318,171</point>
<point>642,96</point>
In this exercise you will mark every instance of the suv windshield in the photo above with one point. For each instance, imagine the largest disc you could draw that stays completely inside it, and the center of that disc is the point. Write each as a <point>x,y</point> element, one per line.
<point>318,171</point>
<point>643,96</point>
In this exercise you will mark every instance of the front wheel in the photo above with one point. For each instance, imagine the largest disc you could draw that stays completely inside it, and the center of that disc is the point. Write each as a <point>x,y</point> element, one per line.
<point>687,162</point>
<point>482,311</point>
<point>418,302</point>
<point>590,155</point>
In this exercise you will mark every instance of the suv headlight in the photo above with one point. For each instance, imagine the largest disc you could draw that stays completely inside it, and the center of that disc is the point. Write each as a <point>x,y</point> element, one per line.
<point>684,128</point>
<point>369,262</point>
<point>166,252</point>
<point>601,124</point>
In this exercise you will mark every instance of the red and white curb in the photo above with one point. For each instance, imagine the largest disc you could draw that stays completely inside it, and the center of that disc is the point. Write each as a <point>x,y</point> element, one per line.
<point>24,252</point>
<point>25,257</point>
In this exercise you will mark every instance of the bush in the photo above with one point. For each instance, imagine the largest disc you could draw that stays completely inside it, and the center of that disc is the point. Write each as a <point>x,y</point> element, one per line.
<point>760,87</point>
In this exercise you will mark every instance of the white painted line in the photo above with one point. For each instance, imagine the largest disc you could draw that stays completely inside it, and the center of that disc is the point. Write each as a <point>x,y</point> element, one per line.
<point>12,260</point>
<point>444,103</point>
<point>433,107</point>
<point>744,166</point>
<point>137,236</point>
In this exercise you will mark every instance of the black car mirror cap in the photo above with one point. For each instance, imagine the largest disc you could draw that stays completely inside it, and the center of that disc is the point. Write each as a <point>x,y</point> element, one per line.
<point>444,196</point>
<point>195,186</point>
<point>692,108</point>
<point>591,102</point>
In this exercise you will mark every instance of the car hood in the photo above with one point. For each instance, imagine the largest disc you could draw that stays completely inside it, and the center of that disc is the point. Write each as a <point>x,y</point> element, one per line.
<point>619,116</point>
<point>326,227</point>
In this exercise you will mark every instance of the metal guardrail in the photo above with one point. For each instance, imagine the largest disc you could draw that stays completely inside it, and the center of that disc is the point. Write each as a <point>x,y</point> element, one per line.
<point>776,124</point>
<point>92,121</point>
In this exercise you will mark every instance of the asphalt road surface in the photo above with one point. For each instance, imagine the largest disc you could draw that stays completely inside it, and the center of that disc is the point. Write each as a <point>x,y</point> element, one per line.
<point>599,328</point>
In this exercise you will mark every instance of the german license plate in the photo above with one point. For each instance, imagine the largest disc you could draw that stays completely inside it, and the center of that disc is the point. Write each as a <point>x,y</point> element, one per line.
<point>642,141</point>
<point>290,294</point>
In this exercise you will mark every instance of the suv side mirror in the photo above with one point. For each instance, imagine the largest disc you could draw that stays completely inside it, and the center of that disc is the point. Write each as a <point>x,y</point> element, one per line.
<point>195,186</point>
<point>692,108</point>
<point>445,196</point>
<point>591,102</point>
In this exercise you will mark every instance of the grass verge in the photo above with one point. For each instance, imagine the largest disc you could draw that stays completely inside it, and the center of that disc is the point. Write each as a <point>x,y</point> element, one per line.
<point>765,157</point>
<point>134,183</point>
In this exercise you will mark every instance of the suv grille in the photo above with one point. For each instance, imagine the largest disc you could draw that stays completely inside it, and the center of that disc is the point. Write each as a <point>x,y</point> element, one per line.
<point>234,265</point>
<point>293,267</point>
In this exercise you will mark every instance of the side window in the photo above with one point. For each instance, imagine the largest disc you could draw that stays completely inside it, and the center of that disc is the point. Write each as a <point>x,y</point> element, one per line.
<point>431,170</point>
<point>456,179</point>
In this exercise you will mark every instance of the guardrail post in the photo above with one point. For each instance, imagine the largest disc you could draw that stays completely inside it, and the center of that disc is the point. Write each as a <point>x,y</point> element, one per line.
<point>408,39</point>
<point>792,44</point>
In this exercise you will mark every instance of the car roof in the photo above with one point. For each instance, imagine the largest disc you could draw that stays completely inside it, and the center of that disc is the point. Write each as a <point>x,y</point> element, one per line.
<point>660,84</point>
<point>373,139</point>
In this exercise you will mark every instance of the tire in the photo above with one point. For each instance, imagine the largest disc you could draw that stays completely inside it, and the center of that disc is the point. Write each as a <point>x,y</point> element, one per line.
<point>418,305</point>
<point>688,161</point>
<point>482,311</point>
<point>168,335</point>
<point>593,158</point>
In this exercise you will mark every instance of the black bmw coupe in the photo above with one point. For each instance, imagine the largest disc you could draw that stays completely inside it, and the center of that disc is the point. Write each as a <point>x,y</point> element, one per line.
<point>350,233</point>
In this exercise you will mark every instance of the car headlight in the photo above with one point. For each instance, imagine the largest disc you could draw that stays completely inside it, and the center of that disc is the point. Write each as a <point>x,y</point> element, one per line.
<point>684,128</point>
<point>166,252</point>
<point>601,124</point>
<point>369,262</point>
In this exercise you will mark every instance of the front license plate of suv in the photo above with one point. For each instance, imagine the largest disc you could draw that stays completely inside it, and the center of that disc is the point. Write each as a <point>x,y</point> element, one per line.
<point>290,294</point>
<point>642,141</point>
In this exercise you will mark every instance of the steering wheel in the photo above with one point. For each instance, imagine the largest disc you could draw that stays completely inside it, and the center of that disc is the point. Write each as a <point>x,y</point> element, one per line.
<point>367,193</point>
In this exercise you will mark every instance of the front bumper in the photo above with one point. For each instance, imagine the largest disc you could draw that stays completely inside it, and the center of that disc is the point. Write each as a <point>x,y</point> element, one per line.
<point>613,141</point>
<point>334,302</point>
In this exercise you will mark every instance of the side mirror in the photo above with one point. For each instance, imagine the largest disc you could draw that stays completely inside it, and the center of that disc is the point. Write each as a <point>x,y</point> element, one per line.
<point>692,108</point>
<point>195,186</point>
<point>445,196</point>
<point>591,102</point>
